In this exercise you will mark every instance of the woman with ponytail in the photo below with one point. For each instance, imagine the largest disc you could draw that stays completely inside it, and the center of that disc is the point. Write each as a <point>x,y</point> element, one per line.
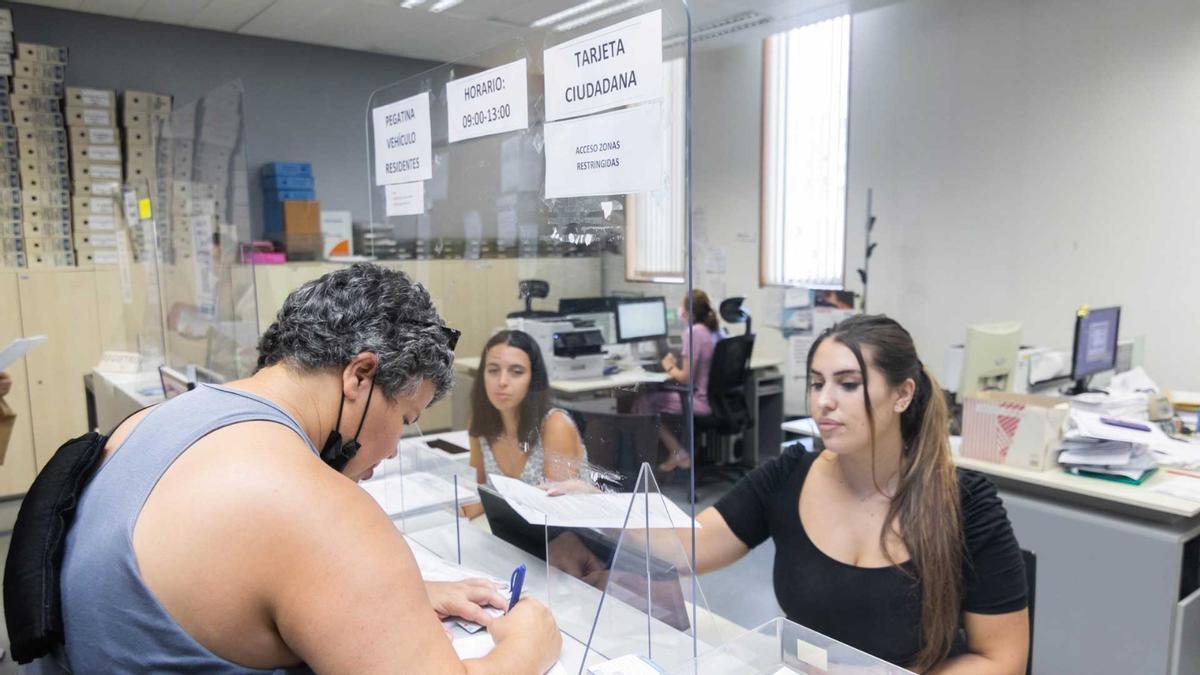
<point>880,542</point>
<point>699,340</point>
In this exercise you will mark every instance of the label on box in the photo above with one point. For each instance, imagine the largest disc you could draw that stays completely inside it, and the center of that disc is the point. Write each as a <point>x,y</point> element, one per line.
<point>614,66</point>
<point>106,256</point>
<point>492,102</point>
<point>35,104</point>
<point>106,187</point>
<point>613,153</point>
<point>106,240</point>
<point>103,153</point>
<point>102,207</point>
<point>403,144</point>
<point>6,22</point>
<point>101,135</point>
<point>96,117</point>
<point>405,199</point>
<point>106,171</point>
<point>101,222</point>
<point>95,98</point>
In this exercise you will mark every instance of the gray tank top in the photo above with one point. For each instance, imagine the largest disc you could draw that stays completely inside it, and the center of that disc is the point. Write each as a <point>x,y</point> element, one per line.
<point>112,622</point>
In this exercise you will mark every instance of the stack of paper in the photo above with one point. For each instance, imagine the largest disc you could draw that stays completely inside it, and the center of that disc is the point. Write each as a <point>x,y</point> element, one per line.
<point>1108,447</point>
<point>1166,450</point>
<point>415,492</point>
<point>598,510</point>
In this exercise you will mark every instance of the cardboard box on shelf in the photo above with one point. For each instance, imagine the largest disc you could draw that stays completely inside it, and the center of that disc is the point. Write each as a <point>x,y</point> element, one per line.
<point>11,228</point>
<point>31,87</point>
<point>90,239</point>
<point>95,222</point>
<point>86,97</point>
<point>27,119</point>
<point>83,170</point>
<point>7,45</point>
<point>47,166</point>
<point>146,101</point>
<point>53,259</point>
<point>35,229</point>
<point>41,135</point>
<point>10,197</point>
<point>139,137</point>
<point>1014,429</point>
<point>97,188</point>
<point>22,103</point>
<point>50,54</point>
<point>94,205</point>
<point>99,257</point>
<point>94,136</point>
<point>11,180</point>
<point>90,117</point>
<point>6,65</point>
<point>37,70</point>
<point>30,198</point>
<point>37,181</point>
<point>96,153</point>
<point>33,214</point>
<point>42,245</point>
<point>42,151</point>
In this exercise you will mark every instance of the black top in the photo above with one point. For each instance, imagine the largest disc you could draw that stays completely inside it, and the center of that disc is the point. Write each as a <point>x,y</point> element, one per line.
<point>877,610</point>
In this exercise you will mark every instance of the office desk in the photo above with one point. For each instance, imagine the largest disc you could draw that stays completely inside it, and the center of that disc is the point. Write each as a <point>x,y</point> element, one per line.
<point>623,628</point>
<point>1117,566</point>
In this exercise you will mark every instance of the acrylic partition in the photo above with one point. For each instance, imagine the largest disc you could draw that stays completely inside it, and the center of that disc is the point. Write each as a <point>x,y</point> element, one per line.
<point>781,647</point>
<point>199,214</point>
<point>541,188</point>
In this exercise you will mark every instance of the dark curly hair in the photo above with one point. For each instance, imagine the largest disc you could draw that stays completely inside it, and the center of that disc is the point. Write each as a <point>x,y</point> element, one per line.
<point>363,308</point>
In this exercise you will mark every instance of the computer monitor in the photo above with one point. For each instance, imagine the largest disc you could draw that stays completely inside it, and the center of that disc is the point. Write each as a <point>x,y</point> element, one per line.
<point>174,382</point>
<point>989,358</point>
<point>1095,346</point>
<point>641,319</point>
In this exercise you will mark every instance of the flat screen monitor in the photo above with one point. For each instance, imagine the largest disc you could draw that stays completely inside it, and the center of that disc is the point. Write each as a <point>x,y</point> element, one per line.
<point>1095,347</point>
<point>641,319</point>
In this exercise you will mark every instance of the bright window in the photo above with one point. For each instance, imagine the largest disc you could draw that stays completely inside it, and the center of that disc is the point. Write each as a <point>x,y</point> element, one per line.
<point>656,222</point>
<point>806,101</point>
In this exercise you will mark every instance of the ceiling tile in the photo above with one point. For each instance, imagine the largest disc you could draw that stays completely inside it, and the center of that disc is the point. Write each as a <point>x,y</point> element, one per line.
<point>228,15</point>
<point>123,8</point>
<point>171,11</point>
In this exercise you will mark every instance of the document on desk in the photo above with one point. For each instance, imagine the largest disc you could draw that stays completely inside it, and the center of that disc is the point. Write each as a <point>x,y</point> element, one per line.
<point>479,646</point>
<point>17,348</point>
<point>600,510</point>
<point>1183,487</point>
<point>414,492</point>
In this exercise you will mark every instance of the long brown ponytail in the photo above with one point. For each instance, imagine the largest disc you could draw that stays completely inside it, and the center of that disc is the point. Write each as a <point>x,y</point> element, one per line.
<point>926,501</point>
<point>701,310</point>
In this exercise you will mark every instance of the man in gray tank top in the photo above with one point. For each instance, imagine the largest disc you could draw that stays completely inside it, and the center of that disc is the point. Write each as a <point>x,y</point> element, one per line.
<point>217,537</point>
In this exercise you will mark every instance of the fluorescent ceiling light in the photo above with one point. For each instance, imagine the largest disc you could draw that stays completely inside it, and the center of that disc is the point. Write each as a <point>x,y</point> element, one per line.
<point>596,16</point>
<point>567,13</point>
<point>409,4</point>
<point>443,5</point>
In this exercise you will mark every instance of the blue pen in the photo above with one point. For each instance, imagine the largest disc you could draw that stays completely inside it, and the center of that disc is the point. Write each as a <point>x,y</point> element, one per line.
<point>1117,422</point>
<point>515,582</point>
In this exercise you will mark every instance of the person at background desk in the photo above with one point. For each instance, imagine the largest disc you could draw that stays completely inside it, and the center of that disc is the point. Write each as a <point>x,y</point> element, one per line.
<point>879,542</point>
<point>514,430</point>
<point>231,542</point>
<point>700,330</point>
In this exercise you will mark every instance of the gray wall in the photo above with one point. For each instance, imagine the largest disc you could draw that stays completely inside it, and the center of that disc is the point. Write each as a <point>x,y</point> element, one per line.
<point>302,102</point>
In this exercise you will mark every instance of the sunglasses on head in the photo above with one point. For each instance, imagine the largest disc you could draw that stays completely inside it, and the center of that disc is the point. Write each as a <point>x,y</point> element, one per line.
<point>451,334</point>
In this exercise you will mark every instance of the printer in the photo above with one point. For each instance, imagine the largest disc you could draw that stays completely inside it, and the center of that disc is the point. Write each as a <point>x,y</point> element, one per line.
<point>572,349</point>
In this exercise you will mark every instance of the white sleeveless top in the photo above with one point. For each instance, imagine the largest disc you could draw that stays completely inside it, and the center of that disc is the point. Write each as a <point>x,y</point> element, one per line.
<point>534,472</point>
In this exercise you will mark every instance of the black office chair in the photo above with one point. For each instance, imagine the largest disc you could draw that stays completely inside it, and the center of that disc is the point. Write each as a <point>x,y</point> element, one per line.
<point>619,443</point>
<point>1031,583</point>
<point>527,290</point>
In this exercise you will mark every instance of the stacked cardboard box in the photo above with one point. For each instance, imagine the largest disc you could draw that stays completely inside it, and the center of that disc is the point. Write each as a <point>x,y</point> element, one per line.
<point>37,95</point>
<point>291,214</point>
<point>96,174</point>
<point>12,233</point>
<point>145,121</point>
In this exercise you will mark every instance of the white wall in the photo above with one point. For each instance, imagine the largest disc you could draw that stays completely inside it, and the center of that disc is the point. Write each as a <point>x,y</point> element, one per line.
<point>1029,157</point>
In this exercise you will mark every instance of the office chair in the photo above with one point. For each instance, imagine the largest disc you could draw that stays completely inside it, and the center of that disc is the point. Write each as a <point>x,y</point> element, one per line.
<point>1031,583</point>
<point>527,290</point>
<point>618,442</point>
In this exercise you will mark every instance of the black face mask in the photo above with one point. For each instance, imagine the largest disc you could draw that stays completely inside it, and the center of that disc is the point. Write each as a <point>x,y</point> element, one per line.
<point>335,454</point>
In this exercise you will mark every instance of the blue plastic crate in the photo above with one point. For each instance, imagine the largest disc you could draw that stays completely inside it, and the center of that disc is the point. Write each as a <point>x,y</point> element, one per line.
<point>288,183</point>
<point>287,169</point>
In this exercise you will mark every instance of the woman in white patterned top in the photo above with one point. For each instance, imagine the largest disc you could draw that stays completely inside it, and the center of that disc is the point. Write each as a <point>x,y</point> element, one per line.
<point>514,430</point>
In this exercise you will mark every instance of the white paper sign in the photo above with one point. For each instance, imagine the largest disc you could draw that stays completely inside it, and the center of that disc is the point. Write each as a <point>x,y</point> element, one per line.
<point>403,145</point>
<point>491,102</point>
<point>405,199</point>
<point>614,153</point>
<point>614,66</point>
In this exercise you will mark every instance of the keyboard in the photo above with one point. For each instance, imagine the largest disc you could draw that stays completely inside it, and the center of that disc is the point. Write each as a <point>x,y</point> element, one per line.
<point>653,368</point>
